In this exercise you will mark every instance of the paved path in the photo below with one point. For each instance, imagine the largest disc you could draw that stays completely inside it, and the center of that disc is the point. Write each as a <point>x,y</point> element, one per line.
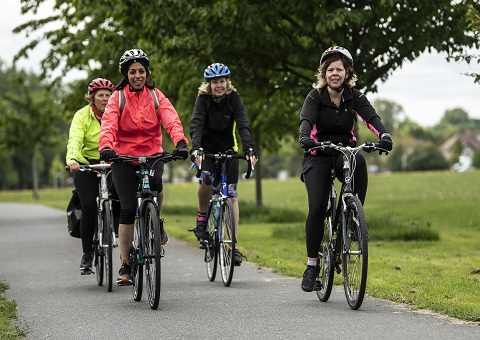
<point>40,261</point>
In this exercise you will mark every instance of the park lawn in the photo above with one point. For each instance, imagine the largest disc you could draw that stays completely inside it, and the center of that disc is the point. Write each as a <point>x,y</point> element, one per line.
<point>424,247</point>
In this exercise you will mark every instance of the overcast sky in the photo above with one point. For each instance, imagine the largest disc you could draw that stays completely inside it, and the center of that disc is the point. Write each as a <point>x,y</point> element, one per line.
<point>425,88</point>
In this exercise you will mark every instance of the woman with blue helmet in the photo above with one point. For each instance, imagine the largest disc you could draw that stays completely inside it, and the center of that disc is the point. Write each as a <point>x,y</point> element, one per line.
<point>217,114</point>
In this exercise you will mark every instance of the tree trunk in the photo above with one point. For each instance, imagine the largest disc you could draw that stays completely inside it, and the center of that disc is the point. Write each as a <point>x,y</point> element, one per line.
<point>36,194</point>
<point>258,168</point>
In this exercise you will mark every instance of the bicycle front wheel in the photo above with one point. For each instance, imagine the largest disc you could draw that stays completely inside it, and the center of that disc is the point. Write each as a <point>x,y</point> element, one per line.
<point>153,254</point>
<point>355,254</point>
<point>326,258</point>
<point>107,241</point>
<point>136,252</point>
<point>98,251</point>
<point>211,251</point>
<point>227,241</point>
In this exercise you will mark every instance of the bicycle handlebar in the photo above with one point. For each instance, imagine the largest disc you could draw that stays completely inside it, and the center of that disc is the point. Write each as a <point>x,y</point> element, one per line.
<point>367,146</point>
<point>96,167</point>
<point>164,157</point>
<point>223,156</point>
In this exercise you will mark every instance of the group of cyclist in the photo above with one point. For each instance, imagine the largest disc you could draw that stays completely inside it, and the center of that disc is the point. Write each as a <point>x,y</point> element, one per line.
<point>127,119</point>
<point>124,119</point>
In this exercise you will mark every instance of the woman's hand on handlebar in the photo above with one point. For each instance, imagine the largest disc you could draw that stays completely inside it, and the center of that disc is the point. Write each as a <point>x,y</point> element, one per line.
<point>74,166</point>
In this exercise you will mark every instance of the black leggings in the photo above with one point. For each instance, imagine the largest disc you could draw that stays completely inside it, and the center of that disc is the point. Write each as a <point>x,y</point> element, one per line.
<point>126,185</point>
<point>317,183</point>
<point>86,184</point>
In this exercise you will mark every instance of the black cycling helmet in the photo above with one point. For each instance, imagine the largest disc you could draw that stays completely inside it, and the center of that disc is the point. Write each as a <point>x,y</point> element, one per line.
<point>216,70</point>
<point>131,56</point>
<point>100,83</point>
<point>337,50</point>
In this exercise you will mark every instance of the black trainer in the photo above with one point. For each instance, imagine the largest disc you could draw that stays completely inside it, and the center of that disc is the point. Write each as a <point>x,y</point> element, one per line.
<point>200,229</point>
<point>163,238</point>
<point>124,275</point>
<point>310,278</point>
<point>86,264</point>
<point>238,257</point>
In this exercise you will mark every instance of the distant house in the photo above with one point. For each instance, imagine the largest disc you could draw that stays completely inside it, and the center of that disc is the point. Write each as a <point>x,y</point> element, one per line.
<point>470,141</point>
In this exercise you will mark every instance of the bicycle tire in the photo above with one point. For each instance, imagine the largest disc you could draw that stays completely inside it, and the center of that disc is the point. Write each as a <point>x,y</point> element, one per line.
<point>135,267</point>
<point>107,241</point>
<point>153,254</point>
<point>355,254</point>
<point>98,251</point>
<point>326,256</point>
<point>227,242</point>
<point>211,251</point>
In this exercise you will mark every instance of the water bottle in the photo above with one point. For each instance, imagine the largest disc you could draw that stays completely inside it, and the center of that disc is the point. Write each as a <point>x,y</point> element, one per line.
<point>216,212</point>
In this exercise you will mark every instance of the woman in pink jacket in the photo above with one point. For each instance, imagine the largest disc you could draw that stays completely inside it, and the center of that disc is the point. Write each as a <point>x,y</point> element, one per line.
<point>134,127</point>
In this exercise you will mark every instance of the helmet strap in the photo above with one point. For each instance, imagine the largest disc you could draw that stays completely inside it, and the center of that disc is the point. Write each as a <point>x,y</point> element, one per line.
<point>339,89</point>
<point>97,112</point>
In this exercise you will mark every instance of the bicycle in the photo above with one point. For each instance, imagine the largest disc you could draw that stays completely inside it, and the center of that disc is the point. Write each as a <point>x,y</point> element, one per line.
<point>146,251</point>
<point>104,239</point>
<point>345,240</point>
<point>220,237</point>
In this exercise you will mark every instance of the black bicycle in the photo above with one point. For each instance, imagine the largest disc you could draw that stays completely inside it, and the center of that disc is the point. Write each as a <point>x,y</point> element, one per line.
<point>104,237</point>
<point>146,251</point>
<point>345,238</point>
<point>220,237</point>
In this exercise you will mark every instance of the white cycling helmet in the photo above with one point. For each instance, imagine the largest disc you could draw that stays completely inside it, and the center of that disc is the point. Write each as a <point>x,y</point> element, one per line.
<point>134,55</point>
<point>337,50</point>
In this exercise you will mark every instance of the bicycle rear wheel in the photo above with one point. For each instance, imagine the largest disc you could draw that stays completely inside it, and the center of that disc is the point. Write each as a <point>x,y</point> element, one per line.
<point>227,241</point>
<point>107,242</point>
<point>211,251</point>
<point>355,254</point>
<point>326,256</point>
<point>135,267</point>
<point>153,254</point>
<point>98,251</point>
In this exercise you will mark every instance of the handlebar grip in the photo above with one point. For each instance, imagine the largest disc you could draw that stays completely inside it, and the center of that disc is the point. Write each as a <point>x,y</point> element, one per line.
<point>249,168</point>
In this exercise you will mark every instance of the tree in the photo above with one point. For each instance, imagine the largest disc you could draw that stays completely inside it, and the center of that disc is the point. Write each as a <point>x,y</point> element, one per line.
<point>426,157</point>
<point>272,46</point>
<point>389,112</point>
<point>473,22</point>
<point>29,119</point>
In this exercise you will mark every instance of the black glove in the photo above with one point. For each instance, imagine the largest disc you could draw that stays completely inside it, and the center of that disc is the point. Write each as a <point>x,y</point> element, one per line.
<point>181,150</point>
<point>385,142</point>
<point>107,153</point>
<point>308,143</point>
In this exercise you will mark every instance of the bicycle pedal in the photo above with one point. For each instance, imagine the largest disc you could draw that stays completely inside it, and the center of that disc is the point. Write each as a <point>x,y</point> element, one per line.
<point>318,286</point>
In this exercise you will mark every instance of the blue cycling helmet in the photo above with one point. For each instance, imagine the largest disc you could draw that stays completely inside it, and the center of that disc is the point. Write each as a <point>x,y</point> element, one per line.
<point>216,70</point>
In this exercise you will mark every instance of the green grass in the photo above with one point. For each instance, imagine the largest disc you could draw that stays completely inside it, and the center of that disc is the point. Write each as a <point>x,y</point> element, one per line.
<point>424,228</point>
<point>8,311</point>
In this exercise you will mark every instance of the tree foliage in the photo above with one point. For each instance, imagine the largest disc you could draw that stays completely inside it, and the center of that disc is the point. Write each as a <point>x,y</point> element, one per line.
<point>30,119</point>
<point>272,46</point>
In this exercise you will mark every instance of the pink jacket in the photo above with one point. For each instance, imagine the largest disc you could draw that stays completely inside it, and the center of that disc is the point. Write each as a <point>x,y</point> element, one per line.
<point>138,132</point>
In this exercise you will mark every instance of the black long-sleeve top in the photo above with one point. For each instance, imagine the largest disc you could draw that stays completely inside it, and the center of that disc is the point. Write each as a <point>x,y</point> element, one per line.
<point>214,123</point>
<point>322,120</point>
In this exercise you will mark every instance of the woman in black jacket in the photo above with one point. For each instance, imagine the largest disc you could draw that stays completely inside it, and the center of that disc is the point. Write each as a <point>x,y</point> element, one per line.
<point>329,114</point>
<point>218,113</point>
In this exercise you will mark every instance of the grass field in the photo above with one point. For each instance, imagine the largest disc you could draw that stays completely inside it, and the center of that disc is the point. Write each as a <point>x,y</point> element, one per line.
<point>424,247</point>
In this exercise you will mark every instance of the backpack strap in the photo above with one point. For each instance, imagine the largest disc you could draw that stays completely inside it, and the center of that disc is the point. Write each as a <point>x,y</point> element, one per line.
<point>121,101</point>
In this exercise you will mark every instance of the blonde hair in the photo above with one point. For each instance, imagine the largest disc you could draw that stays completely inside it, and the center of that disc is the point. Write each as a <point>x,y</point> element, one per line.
<point>206,87</point>
<point>89,97</point>
<point>350,80</point>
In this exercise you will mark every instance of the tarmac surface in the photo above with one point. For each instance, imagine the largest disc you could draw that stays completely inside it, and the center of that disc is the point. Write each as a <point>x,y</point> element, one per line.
<point>40,262</point>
